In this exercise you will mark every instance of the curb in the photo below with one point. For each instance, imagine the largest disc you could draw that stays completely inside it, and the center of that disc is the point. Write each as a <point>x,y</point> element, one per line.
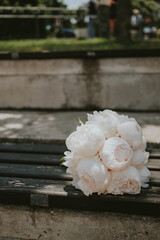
<point>92,54</point>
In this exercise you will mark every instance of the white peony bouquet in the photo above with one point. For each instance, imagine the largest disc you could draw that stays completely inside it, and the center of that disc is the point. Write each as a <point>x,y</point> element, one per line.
<point>107,155</point>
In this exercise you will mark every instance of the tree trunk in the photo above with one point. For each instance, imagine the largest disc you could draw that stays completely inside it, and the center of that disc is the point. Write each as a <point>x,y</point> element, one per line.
<point>124,11</point>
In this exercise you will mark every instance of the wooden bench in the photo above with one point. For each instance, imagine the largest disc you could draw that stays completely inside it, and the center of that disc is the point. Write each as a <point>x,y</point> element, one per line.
<point>31,174</point>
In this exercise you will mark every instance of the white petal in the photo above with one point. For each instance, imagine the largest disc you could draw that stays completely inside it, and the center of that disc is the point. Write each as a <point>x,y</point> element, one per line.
<point>124,118</point>
<point>144,144</point>
<point>106,121</point>
<point>94,177</point>
<point>116,153</point>
<point>71,161</point>
<point>86,141</point>
<point>132,133</point>
<point>144,176</point>
<point>140,158</point>
<point>125,181</point>
<point>75,181</point>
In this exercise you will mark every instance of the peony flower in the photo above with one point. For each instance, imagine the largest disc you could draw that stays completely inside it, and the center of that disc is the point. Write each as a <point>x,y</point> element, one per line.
<point>116,153</point>
<point>93,176</point>
<point>107,155</point>
<point>124,118</point>
<point>75,181</point>
<point>144,176</point>
<point>71,162</point>
<point>86,141</point>
<point>125,181</point>
<point>106,121</point>
<point>140,158</point>
<point>144,144</point>
<point>131,132</point>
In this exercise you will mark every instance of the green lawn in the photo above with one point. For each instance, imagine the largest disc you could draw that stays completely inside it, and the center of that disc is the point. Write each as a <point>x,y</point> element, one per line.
<point>72,44</point>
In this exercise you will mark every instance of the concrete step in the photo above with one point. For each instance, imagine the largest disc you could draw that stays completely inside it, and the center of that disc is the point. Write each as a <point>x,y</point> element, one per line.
<point>63,224</point>
<point>57,125</point>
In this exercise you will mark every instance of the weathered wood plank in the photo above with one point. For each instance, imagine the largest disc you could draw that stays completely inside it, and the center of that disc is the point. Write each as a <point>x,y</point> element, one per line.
<point>50,149</point>
<point>64,189</point>
<point>27,169</point>
<point>155,178</point>
<point>154,153</point>
<point>50,159</point>
<point>154,164</point>
<point>31,185</point>
<point>34,171</point>
<point>29,158</point>
<point>50,172</point>
<point>33,148</point>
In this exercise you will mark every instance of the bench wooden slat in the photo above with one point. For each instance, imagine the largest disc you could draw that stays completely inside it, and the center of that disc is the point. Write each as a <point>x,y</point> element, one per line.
<point>30,158</point>
<point>11,182</point>
<point>29,169</point>
<point>155,178</point>
<point>154,153</point>
<point>154,164</point>
<point>54,148</point>
<point>34,171</point>
<point>50,172</point>
<point>33,148</point>
<point>30,182</point>
<point>50,159</point>
<point>61,188</point>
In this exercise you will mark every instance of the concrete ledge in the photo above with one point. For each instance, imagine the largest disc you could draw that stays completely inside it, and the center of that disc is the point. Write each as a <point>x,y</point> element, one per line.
<point>53,126</point>
<point>40,224</point>
<point>79,66</point>
<point>79,84</point>
<point>90,54</point>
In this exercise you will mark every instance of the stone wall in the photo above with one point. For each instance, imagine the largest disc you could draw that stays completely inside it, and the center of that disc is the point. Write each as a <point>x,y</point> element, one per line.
<point>118,83</point>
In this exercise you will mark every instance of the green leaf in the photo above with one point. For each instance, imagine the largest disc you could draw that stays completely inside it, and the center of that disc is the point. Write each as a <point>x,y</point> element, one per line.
<point>80,121</point>
<point>62,160</point>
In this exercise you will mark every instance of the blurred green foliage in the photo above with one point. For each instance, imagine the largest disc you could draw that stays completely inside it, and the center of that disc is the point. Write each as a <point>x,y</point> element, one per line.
<point>147,7</point>
<point>47,3</point>
<point>74,44</point>
<point>29,28</point>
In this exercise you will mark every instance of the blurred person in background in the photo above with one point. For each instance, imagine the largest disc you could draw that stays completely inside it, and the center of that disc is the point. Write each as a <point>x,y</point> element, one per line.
<point>103,17</point>
<point>112,17</point>
<point>136,24</point>
<point>92,11</point>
